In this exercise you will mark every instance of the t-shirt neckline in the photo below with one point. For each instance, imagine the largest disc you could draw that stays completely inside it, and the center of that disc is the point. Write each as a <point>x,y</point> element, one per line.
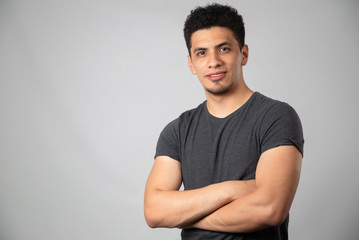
<point>233,113</point>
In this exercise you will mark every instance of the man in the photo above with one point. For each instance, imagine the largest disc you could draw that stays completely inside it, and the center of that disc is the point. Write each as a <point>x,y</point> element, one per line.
<point>238,154</point>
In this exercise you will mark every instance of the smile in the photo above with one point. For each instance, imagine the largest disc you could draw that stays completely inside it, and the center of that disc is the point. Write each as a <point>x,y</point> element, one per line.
<point>216,76</point>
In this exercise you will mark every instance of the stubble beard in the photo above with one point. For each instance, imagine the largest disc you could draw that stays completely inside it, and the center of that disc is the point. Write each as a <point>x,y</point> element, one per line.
<point>221,90</point>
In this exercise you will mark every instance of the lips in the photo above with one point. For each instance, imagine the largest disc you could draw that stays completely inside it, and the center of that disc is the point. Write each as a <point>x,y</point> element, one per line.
<point>216,75</point>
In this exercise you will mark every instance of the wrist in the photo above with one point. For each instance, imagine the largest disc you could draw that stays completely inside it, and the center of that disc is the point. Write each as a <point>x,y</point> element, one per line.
<point>228,190</point>
<point>234,189</point>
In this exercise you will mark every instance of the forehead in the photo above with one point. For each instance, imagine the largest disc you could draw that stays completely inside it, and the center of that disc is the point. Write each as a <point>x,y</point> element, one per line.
<point>210,37</point>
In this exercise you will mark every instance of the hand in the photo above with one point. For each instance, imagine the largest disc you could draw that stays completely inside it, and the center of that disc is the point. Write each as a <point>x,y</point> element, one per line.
<point>238,188</point>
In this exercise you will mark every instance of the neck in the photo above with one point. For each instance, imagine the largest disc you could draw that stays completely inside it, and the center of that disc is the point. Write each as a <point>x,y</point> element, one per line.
<point>223,105</point>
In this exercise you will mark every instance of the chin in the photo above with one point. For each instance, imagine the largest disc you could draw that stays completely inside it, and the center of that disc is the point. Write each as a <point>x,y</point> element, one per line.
<point>218,92</point>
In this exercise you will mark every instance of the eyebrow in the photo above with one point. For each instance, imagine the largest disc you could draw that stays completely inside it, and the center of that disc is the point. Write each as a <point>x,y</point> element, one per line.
<point>217,46</point>
<point>223,44</point>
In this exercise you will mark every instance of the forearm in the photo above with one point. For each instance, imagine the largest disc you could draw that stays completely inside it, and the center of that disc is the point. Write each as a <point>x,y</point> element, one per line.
<point>180,208</point>
<point>277,178</point>
<point>176,208</point>
<point>246,214</point>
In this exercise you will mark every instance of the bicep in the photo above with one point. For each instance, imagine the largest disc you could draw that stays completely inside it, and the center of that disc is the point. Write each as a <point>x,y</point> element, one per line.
<point>166,174</point>
<point>277,176</point>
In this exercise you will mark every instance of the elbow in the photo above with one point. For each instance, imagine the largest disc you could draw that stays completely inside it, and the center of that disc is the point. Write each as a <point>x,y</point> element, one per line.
<point>151,222</point>
<point>152,212</point>
<point>156,215</point>
<point>151,218</point>
<point>155,219</point>
<point>271,211</point>
<point>276,220</point>
<point>275,216</point>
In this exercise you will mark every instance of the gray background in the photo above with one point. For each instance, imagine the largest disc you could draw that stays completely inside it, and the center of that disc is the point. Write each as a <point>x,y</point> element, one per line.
<point>87,86</point>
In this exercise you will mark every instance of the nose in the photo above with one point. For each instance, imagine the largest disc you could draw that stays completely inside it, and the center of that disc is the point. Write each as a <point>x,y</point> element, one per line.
<point>214,60</point>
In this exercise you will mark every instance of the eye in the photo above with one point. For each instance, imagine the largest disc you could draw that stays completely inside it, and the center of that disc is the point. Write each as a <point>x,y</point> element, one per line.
<point>224,49</point>
<point>200,53</point>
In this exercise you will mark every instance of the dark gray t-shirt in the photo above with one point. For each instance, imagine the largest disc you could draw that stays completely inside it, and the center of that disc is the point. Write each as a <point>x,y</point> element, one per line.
<point>213,150</point>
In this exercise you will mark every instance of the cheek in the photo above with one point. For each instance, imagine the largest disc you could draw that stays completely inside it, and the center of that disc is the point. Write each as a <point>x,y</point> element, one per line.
<point>199,67</point>
<point>237,65</point>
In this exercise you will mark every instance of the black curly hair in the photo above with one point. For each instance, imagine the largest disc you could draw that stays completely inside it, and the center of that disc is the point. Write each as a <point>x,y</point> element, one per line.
<point>214,15</point>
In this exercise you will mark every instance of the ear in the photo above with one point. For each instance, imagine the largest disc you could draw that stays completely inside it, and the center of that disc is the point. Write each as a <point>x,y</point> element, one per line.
<point>191,67</point>
<point>245,52</point>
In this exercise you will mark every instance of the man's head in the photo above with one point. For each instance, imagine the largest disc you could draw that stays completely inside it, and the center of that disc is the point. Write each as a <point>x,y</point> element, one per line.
<point>214,15</point>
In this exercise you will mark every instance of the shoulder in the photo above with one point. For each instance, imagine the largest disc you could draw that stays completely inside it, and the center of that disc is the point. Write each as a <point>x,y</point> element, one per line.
<point>269,107</point>
<point>184,119</point>
<point>279,124</point>
<point>187,117</point>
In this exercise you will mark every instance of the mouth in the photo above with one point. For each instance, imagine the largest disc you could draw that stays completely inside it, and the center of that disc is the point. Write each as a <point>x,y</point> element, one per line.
<point>216,75</point>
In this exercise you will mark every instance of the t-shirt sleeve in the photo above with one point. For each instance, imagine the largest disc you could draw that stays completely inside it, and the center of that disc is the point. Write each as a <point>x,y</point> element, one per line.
<point>168,141</point>
<point>281,126</point>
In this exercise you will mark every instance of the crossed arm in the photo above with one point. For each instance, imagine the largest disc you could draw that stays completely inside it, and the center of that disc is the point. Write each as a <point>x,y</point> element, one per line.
<point>232,206</point>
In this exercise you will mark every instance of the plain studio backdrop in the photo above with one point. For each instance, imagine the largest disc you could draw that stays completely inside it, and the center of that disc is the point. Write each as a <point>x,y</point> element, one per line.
<point>87,86</point>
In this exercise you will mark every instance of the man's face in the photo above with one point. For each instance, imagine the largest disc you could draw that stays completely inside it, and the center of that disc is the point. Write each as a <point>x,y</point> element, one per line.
<point>217,59</point>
